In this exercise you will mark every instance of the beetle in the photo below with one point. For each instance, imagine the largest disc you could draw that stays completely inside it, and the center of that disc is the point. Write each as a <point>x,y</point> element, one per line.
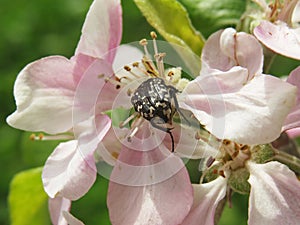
<point>156,102</point>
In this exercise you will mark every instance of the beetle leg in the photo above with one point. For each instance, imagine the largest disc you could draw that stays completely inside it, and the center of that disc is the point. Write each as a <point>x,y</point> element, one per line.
<point>173,92</point>
<point>155,123</point>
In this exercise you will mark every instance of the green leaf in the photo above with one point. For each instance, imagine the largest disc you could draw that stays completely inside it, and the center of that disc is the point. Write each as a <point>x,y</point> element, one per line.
<point>171,20</point>
<point>209,16</point>
<point>27,199</point>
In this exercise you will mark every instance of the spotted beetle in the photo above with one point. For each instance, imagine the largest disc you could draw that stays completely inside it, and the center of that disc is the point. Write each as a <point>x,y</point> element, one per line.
<point>157,103</point>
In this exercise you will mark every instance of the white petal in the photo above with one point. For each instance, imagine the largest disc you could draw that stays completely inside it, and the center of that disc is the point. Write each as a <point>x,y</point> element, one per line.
<point>274,195</point>
<point>44,92</point>
<point>206,199</point>
<point>251,113</point>
<point>56,207</point>
<point>102,30</point>
<point>279,38</point>
<point>71,219</point>
<point>68,173</point>
<point>126,55</point>
<point>229,48</point>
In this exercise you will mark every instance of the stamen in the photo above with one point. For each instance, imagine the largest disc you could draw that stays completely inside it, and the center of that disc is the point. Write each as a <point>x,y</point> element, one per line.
<point>154,36</point>
<point>125,78</point>
<point>129,92</point>
<point>128,69</point>
<point>102,75</point>
<point>158,56</point>
<point>135,64</point>
<point>42,137</point>
<point>144,43</point>
<point>116,81</point>
<point>115,155</point>
<point>132,133</point>
<point>136,126</point>
<point>160,63</point>
<point>210,161</point>
<point>125,122</point>
<point>150,67</point>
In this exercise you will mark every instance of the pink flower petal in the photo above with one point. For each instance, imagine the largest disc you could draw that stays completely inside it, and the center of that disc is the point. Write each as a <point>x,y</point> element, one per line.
<point>71,219</point>
<point>274,195</point>
<point>82,63</point>
<point>90,133</point>
<point>102,30</point>
<point>44,92</point>
<point>249,113</point>
<point>206,199</point>
<point>293,133</point>
<point>293,119</point>
<point>93,93</point>
<point>279,38</point>
<point>228,48</point>
<point>67,173</point>
<point>56,207</point>
<point>165,202</point>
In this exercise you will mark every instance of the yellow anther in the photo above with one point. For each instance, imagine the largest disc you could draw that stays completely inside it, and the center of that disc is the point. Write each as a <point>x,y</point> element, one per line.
<point>135,64</point>
<point>143,42</point>
<point>153,35</point>
<point>32,137</point>
<point>127,68</point>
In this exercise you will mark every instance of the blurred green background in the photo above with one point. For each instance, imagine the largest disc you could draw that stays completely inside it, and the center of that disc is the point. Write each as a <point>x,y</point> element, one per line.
<point>33,29</point>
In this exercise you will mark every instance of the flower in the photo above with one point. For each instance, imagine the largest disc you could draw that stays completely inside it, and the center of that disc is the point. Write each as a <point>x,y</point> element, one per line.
<point>232,98</point>
<point>70,99</point>
<point>274,196</point>
<point>279,31</point>
<point>49,98</point>
<point>146,179</point>
<point>233,63</point>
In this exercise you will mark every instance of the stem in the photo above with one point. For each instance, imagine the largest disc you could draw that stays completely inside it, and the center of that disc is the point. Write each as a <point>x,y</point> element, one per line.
<point>291,161</point>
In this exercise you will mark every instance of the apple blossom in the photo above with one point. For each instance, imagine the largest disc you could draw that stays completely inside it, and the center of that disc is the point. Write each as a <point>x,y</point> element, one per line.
<point>232,98</point>
<point>68,99</point>
<point>274,188</point>
<point>241,162</point>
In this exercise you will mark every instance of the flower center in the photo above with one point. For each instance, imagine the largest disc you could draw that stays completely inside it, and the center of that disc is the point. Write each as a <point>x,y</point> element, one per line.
<point>232,157</point>
<point>155,98</point>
